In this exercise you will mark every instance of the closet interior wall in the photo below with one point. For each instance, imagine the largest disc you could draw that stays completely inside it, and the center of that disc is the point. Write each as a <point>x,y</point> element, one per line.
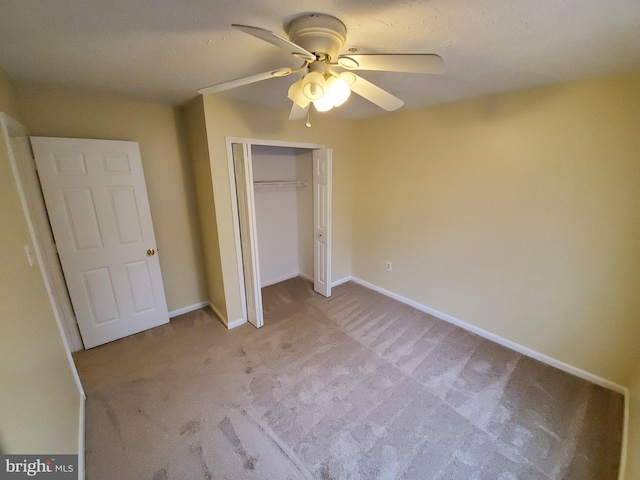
<point>284,214</point>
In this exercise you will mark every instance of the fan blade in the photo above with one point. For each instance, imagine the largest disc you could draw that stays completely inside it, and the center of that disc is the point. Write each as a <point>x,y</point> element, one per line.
<point>409,63</point>
<point>277,40</point>
<point>239,82</point>
<point>375,94</point>
<point>297,112</point>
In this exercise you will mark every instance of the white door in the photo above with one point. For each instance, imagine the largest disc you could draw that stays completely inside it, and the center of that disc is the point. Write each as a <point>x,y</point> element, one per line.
<point>248,233</point>
<point>97,203</point>
<point>322,221</point>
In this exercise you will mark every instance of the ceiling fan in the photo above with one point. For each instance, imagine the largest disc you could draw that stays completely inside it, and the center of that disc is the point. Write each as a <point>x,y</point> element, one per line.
<point>316,39</point>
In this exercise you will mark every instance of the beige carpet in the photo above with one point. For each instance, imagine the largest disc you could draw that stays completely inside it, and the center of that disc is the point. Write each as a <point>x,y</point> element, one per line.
<point>357,386</point>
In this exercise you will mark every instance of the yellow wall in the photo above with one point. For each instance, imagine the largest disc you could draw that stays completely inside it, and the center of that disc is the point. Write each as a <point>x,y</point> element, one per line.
<point>40,401</point>
<point>8,101</point>
<point>55,112</point>
<point>237,119</point>
<point>633,444</point>
<point>517,213</point>
<point>199,156</point>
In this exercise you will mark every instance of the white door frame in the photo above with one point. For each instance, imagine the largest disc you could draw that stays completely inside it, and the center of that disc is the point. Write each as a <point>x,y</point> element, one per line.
<point>42,237</point>
<point>10,128</point>
<point>250,142</point>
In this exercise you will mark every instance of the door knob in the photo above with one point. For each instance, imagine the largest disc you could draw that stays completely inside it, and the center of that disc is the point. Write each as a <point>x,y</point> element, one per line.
<point>151,252</point>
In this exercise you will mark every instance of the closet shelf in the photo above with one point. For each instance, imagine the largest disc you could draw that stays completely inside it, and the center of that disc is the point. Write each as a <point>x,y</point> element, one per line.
<point>278,185</point>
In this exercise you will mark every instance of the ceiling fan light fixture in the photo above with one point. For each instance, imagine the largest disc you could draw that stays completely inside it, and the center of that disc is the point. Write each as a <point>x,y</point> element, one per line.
<point>336,94</point>
<point>296,96</point>
<point>316,39</point>
<point>348,63</point>
<point>348,77</point>
<point>338,91</point>
<point>314,86</point>
<point>324,104</point>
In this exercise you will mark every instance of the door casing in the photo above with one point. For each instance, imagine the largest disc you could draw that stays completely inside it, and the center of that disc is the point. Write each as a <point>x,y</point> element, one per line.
<point>44,244</point>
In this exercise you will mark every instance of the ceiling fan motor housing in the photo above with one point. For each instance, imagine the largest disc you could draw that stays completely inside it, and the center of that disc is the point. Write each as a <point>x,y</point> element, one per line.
<point>318,33</point>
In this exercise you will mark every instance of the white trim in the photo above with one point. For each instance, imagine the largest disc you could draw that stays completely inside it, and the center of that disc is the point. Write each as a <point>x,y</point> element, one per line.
<point>236,323</point>
<point>81,438</point>
<point>190,308</point>
<point>341,281</point>
<point>274,143</point>
<point>56,282</point>
<point>287,277</point>
<point>7,123</point>
<point>625,436</point>
<point>280,279</point>
<point>228,325</point>
<point>603,382</point>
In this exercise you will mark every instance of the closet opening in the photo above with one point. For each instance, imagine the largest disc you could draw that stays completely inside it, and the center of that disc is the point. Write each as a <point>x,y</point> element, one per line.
<point>281,199</point>
<point>283,192</point>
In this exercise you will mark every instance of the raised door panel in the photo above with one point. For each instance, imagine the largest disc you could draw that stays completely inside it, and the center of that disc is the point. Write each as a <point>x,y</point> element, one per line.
<point>81,218</point>
<point>141,287</point>
<point>125,212</point>
<point>101,297</point>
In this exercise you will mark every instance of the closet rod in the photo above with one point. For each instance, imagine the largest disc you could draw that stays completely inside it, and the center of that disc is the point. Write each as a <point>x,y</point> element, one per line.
<point>278,184</point>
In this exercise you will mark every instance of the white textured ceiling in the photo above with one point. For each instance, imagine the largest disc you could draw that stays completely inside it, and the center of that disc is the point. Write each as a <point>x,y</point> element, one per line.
<point>164,50</point>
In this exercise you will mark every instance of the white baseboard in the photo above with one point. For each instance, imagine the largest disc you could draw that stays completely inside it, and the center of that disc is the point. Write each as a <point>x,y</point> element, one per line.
<point>341,281</point>
<point>190,308</point>
<point>236,323</point>
<point>603,382</point>
<point>81,436</point>
<point>279,279</point>
<point>224,321</point>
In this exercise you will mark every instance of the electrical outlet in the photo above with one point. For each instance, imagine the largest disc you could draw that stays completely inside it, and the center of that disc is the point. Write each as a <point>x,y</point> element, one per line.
<point>388,266</point>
